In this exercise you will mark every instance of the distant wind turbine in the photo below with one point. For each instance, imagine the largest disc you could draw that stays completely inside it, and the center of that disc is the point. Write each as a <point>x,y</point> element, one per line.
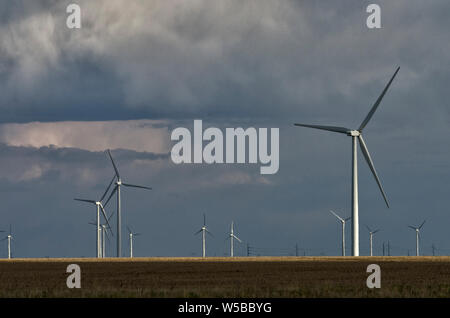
<point>99,206</point>
<point>9,238</point>
<point>131,234</point>
<point>104,231</point>
<point>357,135</point>
<point>203,230</point>
<point>417,229</point>
<point>119,183</point>
<point>343,221</point>
<point>232,237</point>
<point>371,233</point>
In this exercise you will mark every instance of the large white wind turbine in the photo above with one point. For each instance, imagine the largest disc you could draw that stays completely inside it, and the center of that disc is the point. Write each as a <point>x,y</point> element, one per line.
<point>232,237</point>
<point>357,135</point>
<point>99,206</point>
<point>131,234</point>
<point>417,229</point>
<point>343,221</point>
<point>203,230</point>
<point>9,238</point>
<point>119,183</point>
<point>371,233</point>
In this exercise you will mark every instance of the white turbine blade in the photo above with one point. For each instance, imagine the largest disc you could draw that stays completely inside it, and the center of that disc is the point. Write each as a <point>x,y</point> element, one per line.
<point>107,189</point>
<point>114,165</point>
<point>375,231</point>
<point>412,227</point>
<point>366,154</point>
<point>136,186</point>
<point>342,130</point>
<point>375,106</point>
<point>422,224</point>
<point>337,215</point>
<point>368,229</point>
<point>237,238</point>
<point>199,231</point>
<point>209,232</point>
<point>84,200</point>
<point>104,215</point>
<point>110,196</point>
<point>129,230</point>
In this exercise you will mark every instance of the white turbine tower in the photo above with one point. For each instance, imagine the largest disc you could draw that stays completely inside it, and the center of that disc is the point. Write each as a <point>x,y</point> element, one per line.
<point>203,230</point>
<point>104,231</point>
<point>343,221</point>
<point>357,135</point>
<point>232,237</point>
<point>417,229</point>
<point>119,183</point>
<point>131,234</point>
<point>9,238</point>
<point>99,206</point>
<point>371,233</point>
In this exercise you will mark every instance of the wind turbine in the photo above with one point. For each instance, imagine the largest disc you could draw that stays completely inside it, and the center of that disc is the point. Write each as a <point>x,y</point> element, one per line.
<point>204,230</point>
<point>357,135</point>
<point>9,238</point>
<point>104,235</point>
<point>371,233</point>
<point>343,221</point>
<point>417,229</point>
<point>131,240</point>
<point>119,183</point>
<point>99,207</point>
<point>232,237</point>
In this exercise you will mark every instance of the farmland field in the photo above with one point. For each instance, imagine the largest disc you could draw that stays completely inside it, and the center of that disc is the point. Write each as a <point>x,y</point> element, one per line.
<point>224,277</point>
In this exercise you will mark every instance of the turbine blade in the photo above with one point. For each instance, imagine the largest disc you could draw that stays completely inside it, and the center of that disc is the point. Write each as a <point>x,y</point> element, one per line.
<point>107,189</point>
<point>368,229</point>
<point>375,231</point>
<point>136,186</point>
<point>204,219</point>
<point>129,231</point>
<point>349,218</point>
<point>3,239</point>
<point>198,232</point>
<point>84,200</point>
<point>342,130</point>
<point>337,215</point>
<point>104,215</point>
<point>422,224</point>
<point>136,234</point>
<point>209,232</point>
<point>237,238</point>
<point>110,196</point>
<point>366,154</point>
<point>375,106</point>
<point>114,165</point>
<point>412,227</point>
<point>92,223</point>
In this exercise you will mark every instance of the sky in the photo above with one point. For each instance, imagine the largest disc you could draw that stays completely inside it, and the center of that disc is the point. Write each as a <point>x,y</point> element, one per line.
<point>136,70</point>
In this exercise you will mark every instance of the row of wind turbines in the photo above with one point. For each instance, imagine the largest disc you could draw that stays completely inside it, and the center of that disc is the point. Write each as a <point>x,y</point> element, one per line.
<point>372,232</point>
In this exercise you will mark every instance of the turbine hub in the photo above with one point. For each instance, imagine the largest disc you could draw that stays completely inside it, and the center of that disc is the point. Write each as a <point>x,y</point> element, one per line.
<point>354,133</point>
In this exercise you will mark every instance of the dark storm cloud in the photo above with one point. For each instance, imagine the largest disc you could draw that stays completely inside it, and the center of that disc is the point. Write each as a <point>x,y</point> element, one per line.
<point>219,59</point>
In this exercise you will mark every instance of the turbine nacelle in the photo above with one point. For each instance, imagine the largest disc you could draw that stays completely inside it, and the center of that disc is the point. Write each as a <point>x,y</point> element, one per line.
<point>354,133</point>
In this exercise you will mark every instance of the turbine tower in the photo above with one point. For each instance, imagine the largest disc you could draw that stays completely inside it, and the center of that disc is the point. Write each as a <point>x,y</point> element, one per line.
<point>9,238</point>
<point>104,235</point>
<point>417,229</point>
<point>232,237</point>
<point>131,234</point>
<point>343,221</point>
<point>99,206</point>
<point>203,230</point>
<point>119,183</point>
<point>357,136</point>
<point>371,233</point>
